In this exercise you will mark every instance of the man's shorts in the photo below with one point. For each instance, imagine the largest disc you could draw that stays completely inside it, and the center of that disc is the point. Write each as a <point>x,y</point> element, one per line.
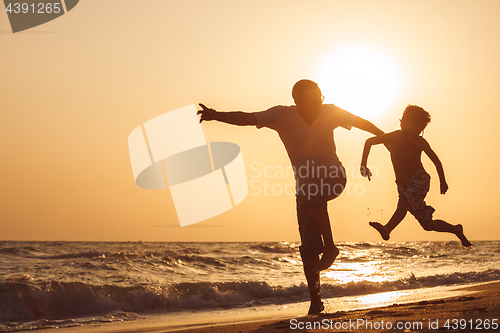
<point>310,236</point>
<point>414,189</point>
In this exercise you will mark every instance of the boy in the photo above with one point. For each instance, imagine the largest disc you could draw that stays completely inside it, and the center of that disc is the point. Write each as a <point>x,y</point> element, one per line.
<point>406,146</point>
<point>306,130</point>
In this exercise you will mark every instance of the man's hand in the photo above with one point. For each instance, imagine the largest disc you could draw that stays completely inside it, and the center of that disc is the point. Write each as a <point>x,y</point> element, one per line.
<point>365,172</point>
<point>444,187</point>
<point>207,113</point>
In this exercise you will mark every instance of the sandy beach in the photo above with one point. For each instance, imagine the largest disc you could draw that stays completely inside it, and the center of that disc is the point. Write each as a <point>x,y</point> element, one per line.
<point>452,309</point>
<point>478,309</point>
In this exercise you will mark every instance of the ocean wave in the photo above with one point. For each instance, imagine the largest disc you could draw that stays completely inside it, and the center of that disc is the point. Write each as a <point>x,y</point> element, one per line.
<point>60,323</point>
<point>25,300</point>
<point>408,282</point>
<point>359,245</point>
<point>90,254</point>
<point>402,252</point>
<point>276,248</point>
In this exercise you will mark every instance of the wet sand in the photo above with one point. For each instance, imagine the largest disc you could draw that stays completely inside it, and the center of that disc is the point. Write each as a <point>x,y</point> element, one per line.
<point>478,310</point>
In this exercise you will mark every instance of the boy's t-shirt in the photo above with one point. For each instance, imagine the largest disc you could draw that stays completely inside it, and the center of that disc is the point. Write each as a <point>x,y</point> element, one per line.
<point>307,146</point>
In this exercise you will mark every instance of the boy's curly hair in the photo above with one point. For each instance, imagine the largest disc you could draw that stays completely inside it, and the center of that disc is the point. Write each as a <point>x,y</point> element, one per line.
<point>417,115</point>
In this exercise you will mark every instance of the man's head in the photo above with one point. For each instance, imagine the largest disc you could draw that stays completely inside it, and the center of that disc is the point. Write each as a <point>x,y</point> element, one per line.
<point>415,119</point>
<point>306,94</point>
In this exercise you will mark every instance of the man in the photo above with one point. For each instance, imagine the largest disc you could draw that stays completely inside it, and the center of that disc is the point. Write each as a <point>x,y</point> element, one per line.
<point>306,130</point>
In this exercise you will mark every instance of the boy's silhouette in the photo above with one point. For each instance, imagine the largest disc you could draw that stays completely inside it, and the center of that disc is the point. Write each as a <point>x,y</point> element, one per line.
<point>406,146</point>
<point>306,130</point>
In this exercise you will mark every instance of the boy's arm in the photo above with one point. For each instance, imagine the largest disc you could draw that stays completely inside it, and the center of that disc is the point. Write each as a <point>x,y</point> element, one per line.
<point>439,167</point>
<point>375,140</point>
<point>233,117</point>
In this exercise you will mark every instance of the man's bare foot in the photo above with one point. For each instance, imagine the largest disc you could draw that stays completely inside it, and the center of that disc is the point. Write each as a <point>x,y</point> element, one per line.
<point>461,236</point>
<point>316,308</point>
<point>327,259</point>
<point>381,229</point>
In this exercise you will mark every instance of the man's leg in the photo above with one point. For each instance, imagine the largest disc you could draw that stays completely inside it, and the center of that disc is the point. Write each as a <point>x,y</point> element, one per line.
<point>330,251</point>
<point>397,217</point>
<point>310,249</point>
<point>313,284</point>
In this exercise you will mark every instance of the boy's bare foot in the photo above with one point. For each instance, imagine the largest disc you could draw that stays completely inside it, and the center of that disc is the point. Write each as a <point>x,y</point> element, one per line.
<point>316,308</point>
<point>381,229</point>
<point>327,259</point>
<point>461,236</point>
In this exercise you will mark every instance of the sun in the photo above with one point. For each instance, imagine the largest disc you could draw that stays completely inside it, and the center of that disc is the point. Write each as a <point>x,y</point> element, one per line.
<point>360,80</point>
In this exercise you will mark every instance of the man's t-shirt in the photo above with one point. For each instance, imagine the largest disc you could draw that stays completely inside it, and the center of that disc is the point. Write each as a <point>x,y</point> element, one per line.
<point>307,146</point>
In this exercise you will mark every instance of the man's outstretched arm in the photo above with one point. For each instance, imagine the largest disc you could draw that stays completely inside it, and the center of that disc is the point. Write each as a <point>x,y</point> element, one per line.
<point>367,126</point>
<point>232,117</point>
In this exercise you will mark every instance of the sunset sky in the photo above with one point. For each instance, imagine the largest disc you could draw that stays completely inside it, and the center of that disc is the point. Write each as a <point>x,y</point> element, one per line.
<point>73,89</point>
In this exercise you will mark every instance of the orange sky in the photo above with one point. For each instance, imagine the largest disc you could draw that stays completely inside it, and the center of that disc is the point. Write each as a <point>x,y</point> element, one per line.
<point>73,89</point>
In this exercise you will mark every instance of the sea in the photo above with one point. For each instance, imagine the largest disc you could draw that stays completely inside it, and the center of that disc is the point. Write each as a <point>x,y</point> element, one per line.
<point>66,283</point>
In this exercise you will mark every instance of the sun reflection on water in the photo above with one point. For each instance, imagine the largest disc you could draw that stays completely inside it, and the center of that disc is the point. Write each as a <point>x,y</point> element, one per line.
<point>355,272</point>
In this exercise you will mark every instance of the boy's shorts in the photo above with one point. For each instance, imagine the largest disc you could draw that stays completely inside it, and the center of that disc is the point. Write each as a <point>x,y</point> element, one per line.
<point>414,189</point>
<point>310,236</point>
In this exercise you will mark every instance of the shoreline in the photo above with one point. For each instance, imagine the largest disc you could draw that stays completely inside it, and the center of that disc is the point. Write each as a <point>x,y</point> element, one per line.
<point>427,306</point>
<point>477,309</point>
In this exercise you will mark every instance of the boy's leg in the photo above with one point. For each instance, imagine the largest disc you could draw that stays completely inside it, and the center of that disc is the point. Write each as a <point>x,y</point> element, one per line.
<point>443,226</point>
<point>313,283</point>
<point>397,217</point>
<point>330,251</point>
